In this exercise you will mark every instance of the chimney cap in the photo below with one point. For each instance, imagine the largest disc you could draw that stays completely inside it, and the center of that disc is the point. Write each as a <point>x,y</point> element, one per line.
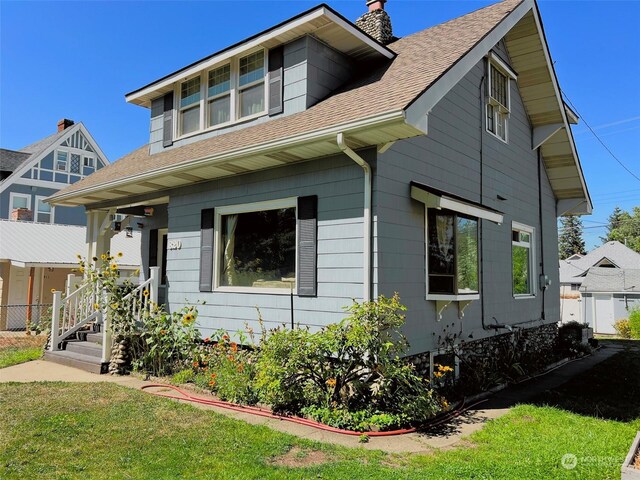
<point>376,4</point>
<point>64,123</point>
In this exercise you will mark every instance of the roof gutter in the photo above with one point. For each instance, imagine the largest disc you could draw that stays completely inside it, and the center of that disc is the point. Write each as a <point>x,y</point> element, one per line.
<point>340,140</point>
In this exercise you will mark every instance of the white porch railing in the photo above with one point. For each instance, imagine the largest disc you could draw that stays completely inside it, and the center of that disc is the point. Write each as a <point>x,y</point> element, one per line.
<point>78,308</point>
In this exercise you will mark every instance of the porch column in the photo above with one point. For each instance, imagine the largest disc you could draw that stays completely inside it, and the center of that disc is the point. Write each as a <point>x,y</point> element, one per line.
<point>98,233</point>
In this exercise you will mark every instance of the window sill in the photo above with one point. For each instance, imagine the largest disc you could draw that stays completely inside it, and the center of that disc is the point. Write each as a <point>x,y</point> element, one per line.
<point>524,297</point>
<point>495,135</point>
<point>221,126</point>
<point>256,290</point>
<point>453,298</point>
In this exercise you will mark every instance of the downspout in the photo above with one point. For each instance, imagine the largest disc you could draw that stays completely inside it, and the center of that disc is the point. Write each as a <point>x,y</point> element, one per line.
<point>340,140</point>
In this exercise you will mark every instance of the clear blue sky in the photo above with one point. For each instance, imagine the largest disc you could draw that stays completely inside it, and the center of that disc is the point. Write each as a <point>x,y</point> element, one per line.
<point>78,59</point>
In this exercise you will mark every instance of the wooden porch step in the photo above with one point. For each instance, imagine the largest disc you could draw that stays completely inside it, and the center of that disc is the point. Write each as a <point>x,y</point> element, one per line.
<point>94,338</point>
<point>77,360</point>
<point>89,349</point>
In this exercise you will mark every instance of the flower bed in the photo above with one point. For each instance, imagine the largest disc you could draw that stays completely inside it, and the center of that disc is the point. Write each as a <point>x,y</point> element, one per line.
<point>631,466</point>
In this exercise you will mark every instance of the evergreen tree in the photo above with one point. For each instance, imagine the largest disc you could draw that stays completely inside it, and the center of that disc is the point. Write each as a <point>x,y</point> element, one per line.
<point>614,222</point>
<point>625,228</point>
<point>570,239</point>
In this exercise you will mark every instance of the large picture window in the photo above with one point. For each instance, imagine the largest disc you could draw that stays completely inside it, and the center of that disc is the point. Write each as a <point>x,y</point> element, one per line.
<point>257,247</point>
<point>452,253</point>
<point>522,255</point>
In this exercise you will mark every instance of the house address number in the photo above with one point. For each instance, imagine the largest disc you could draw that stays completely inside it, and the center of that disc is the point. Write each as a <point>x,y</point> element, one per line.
<point>174,244</point>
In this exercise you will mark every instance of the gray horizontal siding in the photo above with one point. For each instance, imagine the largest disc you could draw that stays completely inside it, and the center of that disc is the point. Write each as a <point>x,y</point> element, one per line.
<point>448,158</point>
<point>337,182</point>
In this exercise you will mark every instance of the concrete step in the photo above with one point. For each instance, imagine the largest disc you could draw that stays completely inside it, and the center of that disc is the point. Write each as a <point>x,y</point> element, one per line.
<point>77,360</point>
<point>90,349</point>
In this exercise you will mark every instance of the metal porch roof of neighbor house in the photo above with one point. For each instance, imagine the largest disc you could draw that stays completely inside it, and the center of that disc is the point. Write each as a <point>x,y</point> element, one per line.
<point>388,103</point>
<point>29,244</point>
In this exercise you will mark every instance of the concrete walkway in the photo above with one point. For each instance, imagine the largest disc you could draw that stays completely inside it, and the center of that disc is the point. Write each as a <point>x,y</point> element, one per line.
<point>445,437</point>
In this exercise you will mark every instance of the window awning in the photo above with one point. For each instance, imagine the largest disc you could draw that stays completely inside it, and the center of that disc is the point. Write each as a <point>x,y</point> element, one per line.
<point>433,198</point>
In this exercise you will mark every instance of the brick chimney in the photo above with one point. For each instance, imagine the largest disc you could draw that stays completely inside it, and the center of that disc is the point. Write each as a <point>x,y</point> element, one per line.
<point>64,124</point>
<point>21,215</point>
<point>376,22</point>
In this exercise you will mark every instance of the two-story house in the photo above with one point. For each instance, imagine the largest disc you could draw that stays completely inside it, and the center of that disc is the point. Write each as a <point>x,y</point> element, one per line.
<point>39,242</point>
<point>322,161</point>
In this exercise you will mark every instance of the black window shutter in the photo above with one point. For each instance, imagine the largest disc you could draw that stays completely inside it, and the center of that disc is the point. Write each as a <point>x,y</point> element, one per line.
<point>307,245</point>
<point>167,124</point>
<point>276,84</point>
<point>206,250</point>
<point>153,249</point>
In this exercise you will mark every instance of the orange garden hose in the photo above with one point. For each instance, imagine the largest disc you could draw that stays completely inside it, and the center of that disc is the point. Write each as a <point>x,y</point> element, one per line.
<point>187,397</point>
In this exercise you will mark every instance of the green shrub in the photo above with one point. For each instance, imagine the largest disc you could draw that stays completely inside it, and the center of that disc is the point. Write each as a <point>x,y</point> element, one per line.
<point>623,328</point>
<point>634,322</point>
<point>359,420</point>
<point>183,376</point>
<point>351,366</point>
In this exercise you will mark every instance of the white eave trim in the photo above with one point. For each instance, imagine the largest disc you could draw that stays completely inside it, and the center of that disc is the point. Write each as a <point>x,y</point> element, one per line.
<point>442,201</point>
<point>327,133</point>
<point>253,43</point>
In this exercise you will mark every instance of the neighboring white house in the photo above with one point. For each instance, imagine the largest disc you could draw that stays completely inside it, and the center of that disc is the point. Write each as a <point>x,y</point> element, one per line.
<point>37,257</point>
<point>602,298</point>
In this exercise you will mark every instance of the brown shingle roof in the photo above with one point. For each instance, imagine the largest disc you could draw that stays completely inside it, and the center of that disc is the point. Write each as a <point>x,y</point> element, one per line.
<point>421,59</point>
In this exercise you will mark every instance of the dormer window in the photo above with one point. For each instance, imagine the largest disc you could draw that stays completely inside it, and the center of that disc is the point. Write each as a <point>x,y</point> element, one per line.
<point>219,95</point>
<point>498,97</point>
<point>251,84</point>
<point>227,93</point>
<point>190,106</point>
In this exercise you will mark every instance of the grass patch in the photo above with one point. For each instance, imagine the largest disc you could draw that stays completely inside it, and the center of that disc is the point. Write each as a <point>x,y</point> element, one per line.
<point>15,350</point>
<point>103,431</point>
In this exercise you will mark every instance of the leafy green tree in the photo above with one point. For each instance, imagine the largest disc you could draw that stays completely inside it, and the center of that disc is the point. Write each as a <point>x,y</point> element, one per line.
<point>570,238</point>
<point>625,228</point>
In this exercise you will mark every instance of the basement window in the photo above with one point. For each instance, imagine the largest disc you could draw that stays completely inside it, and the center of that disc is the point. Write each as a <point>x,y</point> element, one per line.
<point>498,102</point>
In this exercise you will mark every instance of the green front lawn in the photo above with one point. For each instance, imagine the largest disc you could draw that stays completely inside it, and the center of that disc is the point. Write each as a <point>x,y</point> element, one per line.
<point>15,350</point>
<point>103,431</point>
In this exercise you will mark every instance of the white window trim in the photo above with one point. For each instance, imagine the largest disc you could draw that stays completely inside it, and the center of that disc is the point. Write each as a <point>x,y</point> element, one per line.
<point>453,297</point>
<point>290,202</point>
<point>532,258</point>
<point>500,65</point>
<point>13,195</point>
<point>70,151</point>
<point>234,93</point>
<point>36,211</point>
<point>231,93</point>
<point>55,161</point>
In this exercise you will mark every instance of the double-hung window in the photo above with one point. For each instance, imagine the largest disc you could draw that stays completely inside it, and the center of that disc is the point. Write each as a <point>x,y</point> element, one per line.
<point>219,96</point>
<point>62,159</point>
<point>251,89</point>
<point>19,200</point>
<point>452,253</point>
<point>452,243</point>
<point>523,260</point>
<point>190,106</point>
<point>44,211</point>
<point>498,97</point>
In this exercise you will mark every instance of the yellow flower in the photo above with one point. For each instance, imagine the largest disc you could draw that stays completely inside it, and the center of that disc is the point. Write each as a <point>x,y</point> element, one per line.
<point>96,306</point>
<point>53,290</point>
<point>114,306</point>
<point>81,269</point>
<point>120,254</point>
<point>114,266</point>
<point>438,374</point>
<point>146,293</point>
<point>331,382</point>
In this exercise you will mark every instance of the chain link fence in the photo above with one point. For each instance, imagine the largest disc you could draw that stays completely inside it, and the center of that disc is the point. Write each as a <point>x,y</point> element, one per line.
<point>16,317</point>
